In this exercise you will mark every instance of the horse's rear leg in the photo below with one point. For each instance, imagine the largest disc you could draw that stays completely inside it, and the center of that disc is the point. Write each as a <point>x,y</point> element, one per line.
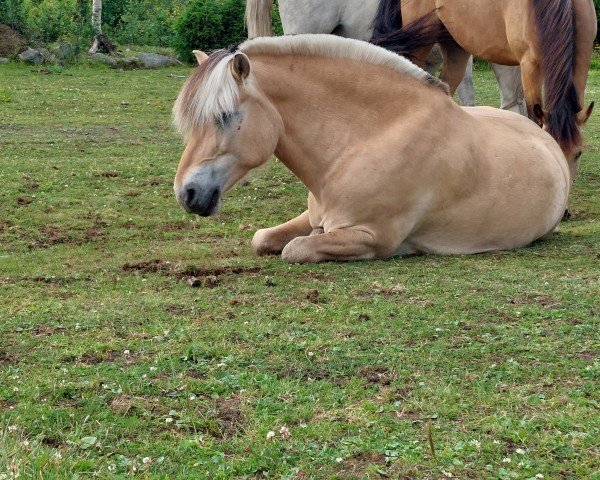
<point>346,244</point>
<point>455,63</point>
<point>270,241</point>
<point>465,91</point>
<point>511,88</point>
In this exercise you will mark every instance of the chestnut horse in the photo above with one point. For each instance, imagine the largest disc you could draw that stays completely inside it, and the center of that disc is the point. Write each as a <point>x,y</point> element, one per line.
<point>393,166</point>
<point>552,41</point>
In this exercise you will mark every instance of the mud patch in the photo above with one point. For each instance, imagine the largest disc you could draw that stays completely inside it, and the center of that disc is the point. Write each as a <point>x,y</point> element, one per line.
<point>51,236</point>
<point>230,418</point>
<point>52,442</point>
<point>378,375</point>
<point>542,300</point>
<point>194,276</point>
<point>45,330</point>
<point>356,466</point>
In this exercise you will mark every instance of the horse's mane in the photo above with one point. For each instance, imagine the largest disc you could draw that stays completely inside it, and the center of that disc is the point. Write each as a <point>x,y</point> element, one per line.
<point>212,93</point>
<point>331,46</point>
<point>555,24</point>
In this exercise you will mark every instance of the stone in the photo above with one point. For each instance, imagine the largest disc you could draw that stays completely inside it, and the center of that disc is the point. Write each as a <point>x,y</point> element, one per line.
<point>32,56</point>
<point>154,60</point>
<point>102,58</point>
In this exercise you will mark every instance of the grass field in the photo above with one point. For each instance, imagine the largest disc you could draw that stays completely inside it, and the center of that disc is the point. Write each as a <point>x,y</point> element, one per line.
<point>113,366</point>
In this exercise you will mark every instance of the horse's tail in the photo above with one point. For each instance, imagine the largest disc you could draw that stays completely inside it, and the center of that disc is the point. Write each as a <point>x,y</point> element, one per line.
<point>388,18</point>
<point>258,18</point>
<point>423,32</point>
<point>555,22</point>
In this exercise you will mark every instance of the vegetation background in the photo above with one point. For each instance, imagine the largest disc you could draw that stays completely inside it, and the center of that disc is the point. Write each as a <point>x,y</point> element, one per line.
<point>179,24</point>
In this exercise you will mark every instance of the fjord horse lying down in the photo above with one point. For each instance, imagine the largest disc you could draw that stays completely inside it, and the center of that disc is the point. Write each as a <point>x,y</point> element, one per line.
<point>392,164</point>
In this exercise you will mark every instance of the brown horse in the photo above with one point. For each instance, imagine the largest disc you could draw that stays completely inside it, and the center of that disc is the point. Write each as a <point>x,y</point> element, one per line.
<point>392,164</point>
<point>552,41</point>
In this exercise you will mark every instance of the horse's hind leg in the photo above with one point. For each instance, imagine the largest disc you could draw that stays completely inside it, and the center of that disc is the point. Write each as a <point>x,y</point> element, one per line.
<point>270,241</point>
<point>465,91</point>
<point>347,244</point>
<point>511,88</point>
<point>455,63</point>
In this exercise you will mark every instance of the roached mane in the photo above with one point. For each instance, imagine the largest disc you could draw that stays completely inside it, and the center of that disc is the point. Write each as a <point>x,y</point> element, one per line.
<point>212,92</point>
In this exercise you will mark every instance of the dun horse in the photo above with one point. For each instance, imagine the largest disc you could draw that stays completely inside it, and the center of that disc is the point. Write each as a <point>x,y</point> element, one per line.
<point>552,41</point>
<point>360,19</point>
<point>393,166</point>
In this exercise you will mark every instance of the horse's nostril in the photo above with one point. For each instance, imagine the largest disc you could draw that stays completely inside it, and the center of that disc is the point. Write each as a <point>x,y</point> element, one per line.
<point>190,196</point>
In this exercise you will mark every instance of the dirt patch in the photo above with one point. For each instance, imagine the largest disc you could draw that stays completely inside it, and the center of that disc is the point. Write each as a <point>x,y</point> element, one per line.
<point>23,201</point>
<point>151,182</point>
<point>542,300</point>
<point>230,418</point>
<point>356,466</point>
<point>194,276</point>
<point>5,358</point>
<point>11,42</point>
<point>108,175</point>
<point>56,236</point>
<point>378,375</point>
<point>52,442</point>
<point>124,404</point>
<point>95,358</point>
<point>46,330</point>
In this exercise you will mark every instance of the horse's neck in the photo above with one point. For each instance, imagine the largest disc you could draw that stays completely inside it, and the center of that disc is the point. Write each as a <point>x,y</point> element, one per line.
<point>330,106</point>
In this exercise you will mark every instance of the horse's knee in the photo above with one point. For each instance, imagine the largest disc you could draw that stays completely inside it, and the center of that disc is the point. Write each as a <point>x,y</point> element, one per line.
<point>264,244</point>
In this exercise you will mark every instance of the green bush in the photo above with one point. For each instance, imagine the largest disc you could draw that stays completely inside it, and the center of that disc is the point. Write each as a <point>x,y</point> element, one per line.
<point>209,25</point>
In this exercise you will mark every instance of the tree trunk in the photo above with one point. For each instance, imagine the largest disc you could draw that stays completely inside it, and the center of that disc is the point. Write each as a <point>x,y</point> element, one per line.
<point>100,40</point>
<point>97,17</point>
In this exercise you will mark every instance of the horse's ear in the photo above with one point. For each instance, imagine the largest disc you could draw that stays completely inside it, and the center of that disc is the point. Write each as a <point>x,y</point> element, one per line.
<point>200,56</point>
<point>539,114</point>
<point>240,66</point>
<point>584,115</point>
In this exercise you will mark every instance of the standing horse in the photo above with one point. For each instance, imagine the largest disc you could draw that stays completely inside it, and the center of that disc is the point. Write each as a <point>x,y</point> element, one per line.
<point>392,164</point>
<point>552,41</point>
<point>355,19</point>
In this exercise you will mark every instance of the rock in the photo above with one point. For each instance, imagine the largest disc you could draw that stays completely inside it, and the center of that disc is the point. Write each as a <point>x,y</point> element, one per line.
<point>101,58</point>
<point>64,52</point>
<point>32,56</point>
<point>153,60</point>
<point>3,60</point>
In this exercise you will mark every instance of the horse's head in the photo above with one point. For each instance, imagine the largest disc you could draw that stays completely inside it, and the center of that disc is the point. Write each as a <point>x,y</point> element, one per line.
<point>572,148</point>
<point>230,128</point>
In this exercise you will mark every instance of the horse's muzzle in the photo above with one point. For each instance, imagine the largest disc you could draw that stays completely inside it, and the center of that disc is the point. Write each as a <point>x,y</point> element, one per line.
<point>203,202</point>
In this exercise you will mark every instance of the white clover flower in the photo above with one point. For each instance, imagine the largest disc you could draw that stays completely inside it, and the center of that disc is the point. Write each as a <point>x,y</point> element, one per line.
<point>270,435</point>
<point>506,460</point>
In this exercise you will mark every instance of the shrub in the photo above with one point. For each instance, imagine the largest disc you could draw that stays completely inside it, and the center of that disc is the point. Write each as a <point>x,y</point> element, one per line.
<point>209,25</point>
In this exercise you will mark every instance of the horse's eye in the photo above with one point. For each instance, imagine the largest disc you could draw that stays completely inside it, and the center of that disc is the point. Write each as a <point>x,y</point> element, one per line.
<point>578,155</point>
<point>224,119</point>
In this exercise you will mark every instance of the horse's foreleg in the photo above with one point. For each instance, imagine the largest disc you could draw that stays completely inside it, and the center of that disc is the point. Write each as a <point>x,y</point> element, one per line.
<point>532,84</point>
<point>346,244</point>
<point>455,63</point>
<point>270,241</point>
<point>466,91</point>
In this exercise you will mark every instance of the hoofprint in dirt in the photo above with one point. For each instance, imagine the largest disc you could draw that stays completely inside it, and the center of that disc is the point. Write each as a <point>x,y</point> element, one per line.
<point>113,364</point>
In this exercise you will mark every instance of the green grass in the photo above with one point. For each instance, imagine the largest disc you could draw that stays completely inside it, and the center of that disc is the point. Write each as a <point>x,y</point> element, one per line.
<point>108,357</point>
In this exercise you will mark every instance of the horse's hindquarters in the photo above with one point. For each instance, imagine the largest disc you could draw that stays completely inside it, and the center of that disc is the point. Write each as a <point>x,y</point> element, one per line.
<point>517,190</point>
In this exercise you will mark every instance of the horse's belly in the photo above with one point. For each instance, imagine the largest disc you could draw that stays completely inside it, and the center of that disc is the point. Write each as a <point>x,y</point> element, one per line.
<point>479,27</point>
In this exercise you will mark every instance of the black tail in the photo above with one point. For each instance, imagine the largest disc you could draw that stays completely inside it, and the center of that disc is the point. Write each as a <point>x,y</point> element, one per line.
<point>421,33</point>
<point>388,18</point>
